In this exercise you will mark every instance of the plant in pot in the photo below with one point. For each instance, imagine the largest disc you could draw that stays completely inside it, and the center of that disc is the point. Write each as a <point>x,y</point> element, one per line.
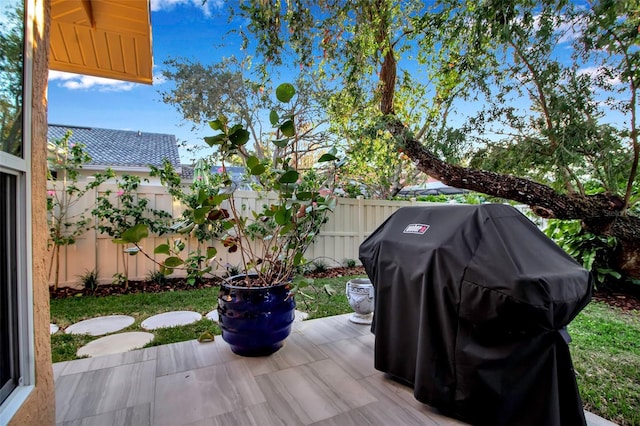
<point>256,308</point>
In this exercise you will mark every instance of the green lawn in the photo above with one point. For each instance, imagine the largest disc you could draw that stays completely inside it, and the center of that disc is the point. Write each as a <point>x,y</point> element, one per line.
<point>606,357</point>
<point>605,346</point>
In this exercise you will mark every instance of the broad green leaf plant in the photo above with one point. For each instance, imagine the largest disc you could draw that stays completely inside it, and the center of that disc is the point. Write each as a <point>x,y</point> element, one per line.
<point>271,239</point>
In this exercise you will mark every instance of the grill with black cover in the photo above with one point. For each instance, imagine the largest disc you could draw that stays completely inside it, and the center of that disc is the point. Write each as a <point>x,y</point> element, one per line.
<point>471,309</point>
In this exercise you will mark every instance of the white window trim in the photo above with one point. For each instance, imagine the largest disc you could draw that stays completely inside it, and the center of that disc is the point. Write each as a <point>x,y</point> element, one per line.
<point>26,382</point>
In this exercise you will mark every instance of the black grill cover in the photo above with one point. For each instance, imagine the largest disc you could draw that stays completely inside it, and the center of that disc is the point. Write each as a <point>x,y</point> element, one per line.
<point>471,305</point>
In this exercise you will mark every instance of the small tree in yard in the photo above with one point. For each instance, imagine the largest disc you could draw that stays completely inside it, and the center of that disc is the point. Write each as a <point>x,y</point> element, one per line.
<point>270,239</point>
<point>127,210</point>
<point>66,159</point>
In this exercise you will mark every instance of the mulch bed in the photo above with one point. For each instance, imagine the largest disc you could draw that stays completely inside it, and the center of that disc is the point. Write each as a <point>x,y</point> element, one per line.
<point>624,301</point>
<point>628,300</point>
<point>177,284</point>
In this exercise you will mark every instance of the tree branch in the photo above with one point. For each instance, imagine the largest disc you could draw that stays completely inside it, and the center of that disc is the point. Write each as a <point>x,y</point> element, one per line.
<point>544,201</point>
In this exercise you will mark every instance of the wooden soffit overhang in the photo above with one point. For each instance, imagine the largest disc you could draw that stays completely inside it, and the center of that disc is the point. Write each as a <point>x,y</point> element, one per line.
<point>102,38</point>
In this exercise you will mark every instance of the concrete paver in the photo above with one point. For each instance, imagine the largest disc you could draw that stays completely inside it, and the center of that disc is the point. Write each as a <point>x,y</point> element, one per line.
<point>100,325</point>
<point>170,319</point>
<point>116,343</point>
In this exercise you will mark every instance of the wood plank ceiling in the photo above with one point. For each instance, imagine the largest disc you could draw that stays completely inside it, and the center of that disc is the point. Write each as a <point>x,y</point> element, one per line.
<point>103,38</point>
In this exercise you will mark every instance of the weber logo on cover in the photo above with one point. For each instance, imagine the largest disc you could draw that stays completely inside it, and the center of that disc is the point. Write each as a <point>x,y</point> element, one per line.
<point>416,228</point>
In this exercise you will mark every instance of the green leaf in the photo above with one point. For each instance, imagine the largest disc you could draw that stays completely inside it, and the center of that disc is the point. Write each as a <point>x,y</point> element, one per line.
<point>202,196</point>
<point>215,140</point>
<point>286,229</point>
<point>135,233</point>
<point>287,128</point>
<point>281,143</point>
<point>304,196</point>
<point>327,157</point>
<point>215,200</point>
<point>258,170</point>
<point>252,162</point>
<point>218,124</point>
<point>200,214</point>
<point>607,271</point>
<point>291,176</point>
<point>274,117</point>
<point>211,252</point>
<point>282,216</point>
<point>234,129</point>
<point>172,262</point>
<point>239,137</point>
<point>285,92</point>
<point>162,249</point>
<point>298,259</point>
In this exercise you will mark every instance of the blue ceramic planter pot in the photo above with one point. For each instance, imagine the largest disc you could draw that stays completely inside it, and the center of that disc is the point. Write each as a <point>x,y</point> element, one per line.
<point>255,321</point>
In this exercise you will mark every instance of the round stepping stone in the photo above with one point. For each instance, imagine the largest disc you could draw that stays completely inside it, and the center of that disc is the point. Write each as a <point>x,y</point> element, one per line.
<point>213,316</point>
<point>170,319</point>
<point>116,343</point>
<point>100,325</point>
<point>53,328</point>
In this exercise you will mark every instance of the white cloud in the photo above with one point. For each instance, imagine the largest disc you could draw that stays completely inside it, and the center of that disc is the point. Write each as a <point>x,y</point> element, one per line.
<point>85,82</point>
<point>207,7</point>
<point>599,72</point>
<point>158,79</point>
<point>570,31</point>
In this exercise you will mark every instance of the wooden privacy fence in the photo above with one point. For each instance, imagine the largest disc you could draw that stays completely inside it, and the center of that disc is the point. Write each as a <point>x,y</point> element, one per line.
<point>351,222</point>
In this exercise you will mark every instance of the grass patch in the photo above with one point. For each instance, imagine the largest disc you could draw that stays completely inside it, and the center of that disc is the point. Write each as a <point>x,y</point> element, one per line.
<point>318,303</point>
<point>64,346</point>
<point>606,357</point>
<point>141,306</point>
<point>167,335</point>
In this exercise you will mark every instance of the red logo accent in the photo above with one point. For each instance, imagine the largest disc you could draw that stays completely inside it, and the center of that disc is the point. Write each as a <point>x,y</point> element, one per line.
<point>416,228</point>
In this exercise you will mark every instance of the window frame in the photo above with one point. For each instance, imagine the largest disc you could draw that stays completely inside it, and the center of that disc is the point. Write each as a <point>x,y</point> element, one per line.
<point>21,168</point>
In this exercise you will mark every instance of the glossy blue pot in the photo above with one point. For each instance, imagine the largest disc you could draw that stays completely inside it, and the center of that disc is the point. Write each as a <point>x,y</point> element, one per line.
<point>255,321</point>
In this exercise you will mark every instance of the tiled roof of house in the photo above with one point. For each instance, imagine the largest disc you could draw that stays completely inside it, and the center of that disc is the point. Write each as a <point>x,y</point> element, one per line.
<point>125,148</point>
<point>187,171</point>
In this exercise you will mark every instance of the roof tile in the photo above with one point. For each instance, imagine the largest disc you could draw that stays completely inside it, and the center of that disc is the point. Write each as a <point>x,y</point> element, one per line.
<point>127,148</point>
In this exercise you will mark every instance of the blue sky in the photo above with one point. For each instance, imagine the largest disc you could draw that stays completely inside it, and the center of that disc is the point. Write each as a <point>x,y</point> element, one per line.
<point>181,28</point>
